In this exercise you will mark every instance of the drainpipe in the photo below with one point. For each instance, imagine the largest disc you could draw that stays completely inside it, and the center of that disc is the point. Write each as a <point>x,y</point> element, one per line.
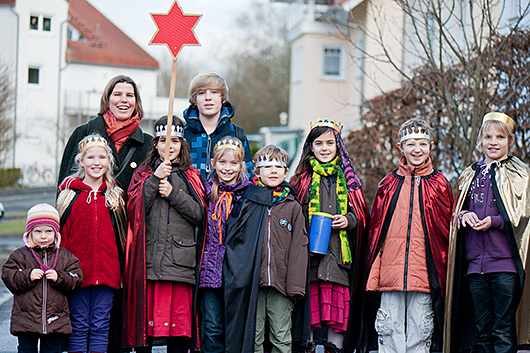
<point>362,52</point>
<point>311,11</point>
<point>58,124</point>
<point>16,88</point>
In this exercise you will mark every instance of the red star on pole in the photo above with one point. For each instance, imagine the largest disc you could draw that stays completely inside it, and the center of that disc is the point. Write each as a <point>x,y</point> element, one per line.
<point>175,29</point>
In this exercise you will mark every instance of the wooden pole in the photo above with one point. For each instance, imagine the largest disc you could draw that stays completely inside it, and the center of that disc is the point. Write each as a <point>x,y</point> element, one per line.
<point>170,108</point>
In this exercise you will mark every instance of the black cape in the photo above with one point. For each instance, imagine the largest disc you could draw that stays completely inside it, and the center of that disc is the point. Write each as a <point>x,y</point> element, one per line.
<point>244,238</point>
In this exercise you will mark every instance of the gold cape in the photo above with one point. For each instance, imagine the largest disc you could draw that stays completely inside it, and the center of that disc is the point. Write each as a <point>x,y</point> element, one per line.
<point>512,178</point>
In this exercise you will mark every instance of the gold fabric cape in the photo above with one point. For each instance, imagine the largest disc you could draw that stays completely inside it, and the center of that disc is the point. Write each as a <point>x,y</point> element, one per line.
<point>512,178</point>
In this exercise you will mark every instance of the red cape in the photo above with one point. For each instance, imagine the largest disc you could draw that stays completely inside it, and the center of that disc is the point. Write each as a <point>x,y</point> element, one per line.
<point>436,201</point>
<point>357,240</point>
<point>135,303</point>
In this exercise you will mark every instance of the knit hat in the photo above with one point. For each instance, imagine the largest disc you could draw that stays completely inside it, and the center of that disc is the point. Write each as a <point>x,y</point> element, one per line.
<point>42,214</point>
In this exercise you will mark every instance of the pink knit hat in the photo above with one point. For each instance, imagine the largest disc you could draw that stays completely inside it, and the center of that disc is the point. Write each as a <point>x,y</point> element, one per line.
<point>42,214</point>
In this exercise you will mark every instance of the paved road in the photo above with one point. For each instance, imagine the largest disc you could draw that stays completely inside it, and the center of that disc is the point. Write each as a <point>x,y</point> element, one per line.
<point>8,343</point>
<point>19,201</point>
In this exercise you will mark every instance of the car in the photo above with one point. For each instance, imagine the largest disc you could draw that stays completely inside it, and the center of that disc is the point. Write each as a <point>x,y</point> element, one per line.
<point>2,210</point>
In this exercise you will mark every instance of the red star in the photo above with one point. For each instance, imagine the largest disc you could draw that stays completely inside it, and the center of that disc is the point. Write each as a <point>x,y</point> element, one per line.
<point>175,29</point>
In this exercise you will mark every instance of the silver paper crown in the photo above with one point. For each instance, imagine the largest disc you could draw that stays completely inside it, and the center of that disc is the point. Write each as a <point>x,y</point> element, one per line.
<point>415,132</point>
<point>266,161</point>
<point>176,131</point>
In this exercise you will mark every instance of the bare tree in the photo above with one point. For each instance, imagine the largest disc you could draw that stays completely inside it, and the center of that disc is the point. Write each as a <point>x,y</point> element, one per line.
<point>258,73</point>
<point>455,63</point>
<point>185,72</point>
<point>7,96</point>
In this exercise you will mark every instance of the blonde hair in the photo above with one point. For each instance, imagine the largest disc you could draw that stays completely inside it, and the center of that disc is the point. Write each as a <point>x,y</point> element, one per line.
<point>207,81</point>
<point>415,124</point>
<point>500,126</point>
<point>32,244</point>
<point>114,194</point>
<point>272,152</point>
<point>243,173</point>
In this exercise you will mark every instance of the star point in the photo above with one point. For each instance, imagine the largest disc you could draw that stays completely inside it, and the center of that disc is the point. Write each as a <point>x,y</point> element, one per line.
<point>175,29</point>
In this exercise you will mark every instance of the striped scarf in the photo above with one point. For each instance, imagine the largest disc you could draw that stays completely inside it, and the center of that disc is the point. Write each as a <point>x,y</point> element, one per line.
<point>278,194</point>
<point>329,169</point>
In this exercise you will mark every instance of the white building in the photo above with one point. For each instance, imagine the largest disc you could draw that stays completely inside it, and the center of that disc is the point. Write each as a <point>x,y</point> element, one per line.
<point>62,54</point>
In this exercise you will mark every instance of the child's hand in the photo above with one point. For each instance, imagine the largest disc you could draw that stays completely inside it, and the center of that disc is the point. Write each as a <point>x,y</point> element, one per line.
<point>164,188</point>
<point>51,275</point>
<point>36,274</point>
<point>469,219</point>
<point>339,221</point>
<point>483,225</point>
<point>163,170</point>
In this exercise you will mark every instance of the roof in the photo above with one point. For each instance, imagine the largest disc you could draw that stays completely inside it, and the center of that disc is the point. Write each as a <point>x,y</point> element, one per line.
<point>103,43</point>
<point>7,2</point>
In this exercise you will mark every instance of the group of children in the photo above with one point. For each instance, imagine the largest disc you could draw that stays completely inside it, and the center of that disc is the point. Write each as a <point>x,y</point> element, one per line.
<point>217,263</point>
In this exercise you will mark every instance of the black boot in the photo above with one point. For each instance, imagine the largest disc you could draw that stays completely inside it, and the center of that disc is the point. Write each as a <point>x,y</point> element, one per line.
<point>331,348</point>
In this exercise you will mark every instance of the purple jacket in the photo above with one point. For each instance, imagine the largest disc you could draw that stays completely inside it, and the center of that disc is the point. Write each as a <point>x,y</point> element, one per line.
<point>486,251</point>
<point>214,251</point>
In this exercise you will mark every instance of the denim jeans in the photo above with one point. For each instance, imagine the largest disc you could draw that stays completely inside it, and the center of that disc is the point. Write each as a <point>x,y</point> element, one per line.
<point>51,343</point>
<point>212,327</point>
<point>90,315</point>
<point>494,307</point>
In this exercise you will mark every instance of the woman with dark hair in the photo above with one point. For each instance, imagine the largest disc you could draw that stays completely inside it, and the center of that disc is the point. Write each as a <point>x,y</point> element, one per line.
<point>118,121</point>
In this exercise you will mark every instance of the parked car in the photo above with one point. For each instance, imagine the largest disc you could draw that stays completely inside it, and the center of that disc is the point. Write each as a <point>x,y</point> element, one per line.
<point>2,210</point>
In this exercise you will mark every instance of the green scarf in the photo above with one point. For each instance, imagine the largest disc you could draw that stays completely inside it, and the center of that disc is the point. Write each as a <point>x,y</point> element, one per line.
<point>328,169</point>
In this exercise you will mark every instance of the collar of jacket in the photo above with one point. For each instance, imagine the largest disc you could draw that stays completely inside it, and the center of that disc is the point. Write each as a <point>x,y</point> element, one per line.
<point>191,115</point>
<point>263,196</point>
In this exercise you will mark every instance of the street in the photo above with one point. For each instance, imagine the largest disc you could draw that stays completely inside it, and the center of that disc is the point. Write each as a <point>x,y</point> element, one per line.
<point>19,201</point>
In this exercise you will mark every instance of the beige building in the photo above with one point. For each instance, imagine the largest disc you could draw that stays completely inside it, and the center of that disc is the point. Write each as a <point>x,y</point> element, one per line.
<point>337,57</point>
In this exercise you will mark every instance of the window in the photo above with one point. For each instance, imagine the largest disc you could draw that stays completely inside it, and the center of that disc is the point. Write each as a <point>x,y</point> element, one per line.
<point>333,62</point>
<point>34,22</point>
<point>40,23</point>
<point>46,24</point>
<point>33,75</point>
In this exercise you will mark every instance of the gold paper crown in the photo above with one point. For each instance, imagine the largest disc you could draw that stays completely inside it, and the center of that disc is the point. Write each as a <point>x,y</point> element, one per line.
<point>267,160</point>
<point>503,118</point>
<point>91,141</point>
<point>176,131</point>
<point>229,142</point>
<point>335,125</point>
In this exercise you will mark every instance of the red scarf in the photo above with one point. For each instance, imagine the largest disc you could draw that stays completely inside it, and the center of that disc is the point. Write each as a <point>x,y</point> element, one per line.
<point>120,131</point>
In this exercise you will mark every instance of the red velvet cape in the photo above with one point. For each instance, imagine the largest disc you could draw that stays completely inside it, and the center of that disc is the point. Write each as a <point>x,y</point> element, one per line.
<point>135,301</point>
<point>436,202</point>
<point>357,240</point>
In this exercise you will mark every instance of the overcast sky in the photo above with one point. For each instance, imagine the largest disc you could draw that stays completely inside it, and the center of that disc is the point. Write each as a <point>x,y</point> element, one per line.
<point>216,29</point>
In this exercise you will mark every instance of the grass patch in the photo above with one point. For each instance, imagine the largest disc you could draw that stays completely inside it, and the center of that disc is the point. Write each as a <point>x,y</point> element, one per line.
<point>12,227</point>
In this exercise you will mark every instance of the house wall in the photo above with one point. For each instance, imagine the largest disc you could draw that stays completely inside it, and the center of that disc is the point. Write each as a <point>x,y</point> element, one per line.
<point>37,110</point>
<point>67,93</point>
<point>312,95</point>
<point>8,22</point>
